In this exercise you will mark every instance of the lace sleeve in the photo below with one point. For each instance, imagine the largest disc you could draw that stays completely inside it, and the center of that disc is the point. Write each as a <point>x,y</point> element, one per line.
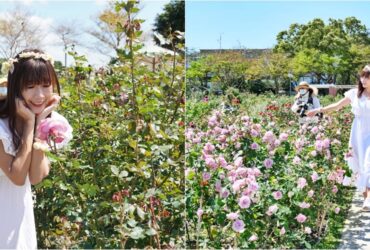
<point>6,138</point>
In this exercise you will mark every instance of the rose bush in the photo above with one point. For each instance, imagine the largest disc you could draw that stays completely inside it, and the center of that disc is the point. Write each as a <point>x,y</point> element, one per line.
<point>263,181</point>
<point>120,183</point>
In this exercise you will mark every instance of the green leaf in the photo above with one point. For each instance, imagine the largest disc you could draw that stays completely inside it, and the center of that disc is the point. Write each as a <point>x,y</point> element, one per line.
<point>140,213</point>
<point>137,233</point>
<point>151,232</point>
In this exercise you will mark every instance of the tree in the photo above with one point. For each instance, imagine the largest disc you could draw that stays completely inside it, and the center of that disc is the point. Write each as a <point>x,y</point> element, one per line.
<point>68,35</point>
<point>170,26</point>
<point>108,31</point>
<point>17,32</point>
<point>326,50</point>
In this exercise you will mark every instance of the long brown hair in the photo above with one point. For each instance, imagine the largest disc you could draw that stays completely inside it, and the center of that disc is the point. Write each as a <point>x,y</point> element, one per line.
<point>26,71</point>
<point>365,73</point>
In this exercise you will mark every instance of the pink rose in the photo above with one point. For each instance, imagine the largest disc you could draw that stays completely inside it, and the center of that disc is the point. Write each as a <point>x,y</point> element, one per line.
<point>277,195</point>
<point>301,218</point>
<point>238,226</point>
<point>232,216</point>
<point>54,129</point>
<point>302,183</point>
<point>244,202</point>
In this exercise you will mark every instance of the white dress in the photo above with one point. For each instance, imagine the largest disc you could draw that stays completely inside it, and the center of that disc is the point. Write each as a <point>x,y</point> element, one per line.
<point>360,139</point>
<point>17,222</point>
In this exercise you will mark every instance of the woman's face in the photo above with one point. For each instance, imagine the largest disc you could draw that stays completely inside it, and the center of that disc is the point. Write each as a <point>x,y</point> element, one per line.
<point>37,96</point>
<point>365,82</point>
<point>303,91</point>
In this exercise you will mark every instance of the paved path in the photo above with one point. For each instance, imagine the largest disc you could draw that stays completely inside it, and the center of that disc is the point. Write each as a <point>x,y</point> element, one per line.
<point>356,232</point>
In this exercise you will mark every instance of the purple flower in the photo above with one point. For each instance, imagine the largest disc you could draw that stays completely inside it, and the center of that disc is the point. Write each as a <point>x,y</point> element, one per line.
<point>255,146</point>
<point>225,193</point>
<point>268,163</point>
<point>315,130</point>
<point>210,162</point>
<point>244,202</point>
<point>206,176</point>
<point>277,195</point>
<point>238,226</point>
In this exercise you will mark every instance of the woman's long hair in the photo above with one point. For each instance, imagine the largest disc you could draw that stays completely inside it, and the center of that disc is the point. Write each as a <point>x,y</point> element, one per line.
<point>365,73</point>
<point>26,71</point>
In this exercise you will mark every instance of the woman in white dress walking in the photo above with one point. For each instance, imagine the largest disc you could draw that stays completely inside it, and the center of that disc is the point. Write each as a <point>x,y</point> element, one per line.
<point>359,162</point>
<point>30,99</point>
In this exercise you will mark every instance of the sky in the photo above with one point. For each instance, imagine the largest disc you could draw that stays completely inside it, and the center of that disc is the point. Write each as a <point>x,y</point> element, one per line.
<point>48,13</point>
<point>255,24</point>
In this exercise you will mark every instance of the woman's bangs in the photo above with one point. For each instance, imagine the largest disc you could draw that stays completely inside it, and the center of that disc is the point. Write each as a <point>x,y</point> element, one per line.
<point>37,72</point>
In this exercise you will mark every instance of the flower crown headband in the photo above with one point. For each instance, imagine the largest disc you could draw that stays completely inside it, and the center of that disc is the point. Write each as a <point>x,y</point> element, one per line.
<point>8,66</point>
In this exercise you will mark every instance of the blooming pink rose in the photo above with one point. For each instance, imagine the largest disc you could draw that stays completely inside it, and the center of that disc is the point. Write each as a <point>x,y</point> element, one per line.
<point>301,218</point>
<point>310,193</point>
<point>307,230</point>
<point>314,176</point>
<point>277,195</point>
<point>296,160</point>
<point>254,133</point>
<point>268,163</point>
<point>54,129</point>
<point>304,205</point>
<point>255,146</point>
<point>225,193</point>
<point>206,176</point>
<point>337,210</point>
<point>302,183</point>
<point>210,162</point>
<point>283,136</point>
<point>232,216</point>
<point>244,202</point>
<point>272,210</point>
<point>315,130</point>
<point>238,162</point>
<point>253,238</point>
<point>238,226</point>
<point>200,212</point>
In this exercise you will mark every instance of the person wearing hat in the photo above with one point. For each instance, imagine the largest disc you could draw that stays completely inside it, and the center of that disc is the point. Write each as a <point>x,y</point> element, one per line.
<point>306,99</point>
<point>358,157</point>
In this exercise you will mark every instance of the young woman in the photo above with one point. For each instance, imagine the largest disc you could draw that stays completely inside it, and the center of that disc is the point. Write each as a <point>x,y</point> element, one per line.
<point>306,99</point>
<point>30,98</point>
<point>359,99</point>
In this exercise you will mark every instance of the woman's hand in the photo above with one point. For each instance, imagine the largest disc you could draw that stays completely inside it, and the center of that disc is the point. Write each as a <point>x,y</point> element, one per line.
<point>311,113</point>
<point>23,111</point>
<point>52,105</point>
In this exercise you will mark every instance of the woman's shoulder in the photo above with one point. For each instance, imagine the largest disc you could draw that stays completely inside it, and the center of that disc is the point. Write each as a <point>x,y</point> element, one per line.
<point>351,93</point>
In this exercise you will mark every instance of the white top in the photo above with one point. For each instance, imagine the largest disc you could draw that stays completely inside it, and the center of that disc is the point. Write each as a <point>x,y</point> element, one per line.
<point>360,138</point>
<point>17,222</point>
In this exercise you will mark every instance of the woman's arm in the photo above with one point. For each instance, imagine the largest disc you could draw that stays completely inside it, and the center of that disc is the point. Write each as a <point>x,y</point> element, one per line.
<point>17,167</point>
<point>332,107</point>
<point>40,165</point>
